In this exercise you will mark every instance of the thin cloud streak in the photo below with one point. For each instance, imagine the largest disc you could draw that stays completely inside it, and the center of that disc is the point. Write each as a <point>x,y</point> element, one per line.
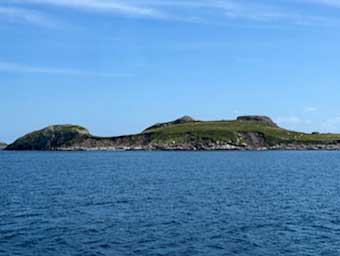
<point>200,11</point>
<point>7,67</point>
<point>98,6</point>
<point>249,10</point>
<point>20,15</point>
<point>330,3</point>
<point>311,109</point>
<point>332,123</point>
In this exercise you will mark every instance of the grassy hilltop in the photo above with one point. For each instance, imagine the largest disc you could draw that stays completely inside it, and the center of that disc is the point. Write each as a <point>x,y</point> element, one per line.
<point>230,131</point>
<point>186,133</point>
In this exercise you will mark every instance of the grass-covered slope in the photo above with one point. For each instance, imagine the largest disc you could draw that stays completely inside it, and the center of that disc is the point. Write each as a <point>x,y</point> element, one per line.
<point>232,131</point>
<point>248,132</point>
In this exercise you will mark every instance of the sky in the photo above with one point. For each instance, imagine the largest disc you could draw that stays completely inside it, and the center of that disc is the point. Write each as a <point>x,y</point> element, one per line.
<point>117,67</point>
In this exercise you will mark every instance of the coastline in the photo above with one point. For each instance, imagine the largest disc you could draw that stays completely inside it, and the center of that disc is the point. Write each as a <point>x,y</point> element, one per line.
<point>256,133</point>
<point>188,148</point>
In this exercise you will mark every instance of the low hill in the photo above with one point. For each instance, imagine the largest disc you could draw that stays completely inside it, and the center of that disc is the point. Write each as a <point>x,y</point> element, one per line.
<point>2,145</point>
<point>50,138</point>
<point>182,120</point>
<point>245,133</point>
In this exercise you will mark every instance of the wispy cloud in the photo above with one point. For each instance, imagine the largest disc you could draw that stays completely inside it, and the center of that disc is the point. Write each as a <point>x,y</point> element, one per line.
<point>246,10</point>
<point>310,109</point>
<point>332,124</point>
<point>330,3</point>
<point>20,15</point>
<point>8,67</point>
<point>199,11</point>
<point>293,122</point>
<point>98,6</point>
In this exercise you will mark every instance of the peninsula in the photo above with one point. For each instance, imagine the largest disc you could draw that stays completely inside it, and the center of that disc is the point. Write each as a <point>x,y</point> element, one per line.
<point>186,133</point>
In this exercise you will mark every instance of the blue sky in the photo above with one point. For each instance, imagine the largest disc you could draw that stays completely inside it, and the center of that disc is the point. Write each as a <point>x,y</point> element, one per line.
<point>117,67</point>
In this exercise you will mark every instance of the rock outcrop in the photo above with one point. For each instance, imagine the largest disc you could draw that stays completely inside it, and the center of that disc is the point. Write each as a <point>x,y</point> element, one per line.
<point>260,119</point>
<point>2,145</point>
<point>182,120</point>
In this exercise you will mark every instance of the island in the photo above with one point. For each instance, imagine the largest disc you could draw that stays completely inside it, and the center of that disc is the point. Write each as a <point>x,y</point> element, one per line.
<point>186,133</point>
<point>2,145</point>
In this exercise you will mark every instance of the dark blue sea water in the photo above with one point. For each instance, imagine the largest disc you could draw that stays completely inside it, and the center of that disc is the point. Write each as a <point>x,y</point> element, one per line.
<point>169,203</point>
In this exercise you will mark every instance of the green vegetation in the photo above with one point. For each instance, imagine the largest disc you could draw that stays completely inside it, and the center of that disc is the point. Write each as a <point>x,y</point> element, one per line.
<point>229,131</point>
<point>182,120</point>
<point>247,132</point>
<point>61,129</point>
<point>51,137</point>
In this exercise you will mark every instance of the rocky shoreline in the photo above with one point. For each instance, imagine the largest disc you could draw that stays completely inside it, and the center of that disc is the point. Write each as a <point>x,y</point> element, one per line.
<point>208,147</point>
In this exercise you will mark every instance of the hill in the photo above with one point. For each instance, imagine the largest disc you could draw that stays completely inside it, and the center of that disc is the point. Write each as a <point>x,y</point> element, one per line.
<point>50,138</point>
<point>245,133</point>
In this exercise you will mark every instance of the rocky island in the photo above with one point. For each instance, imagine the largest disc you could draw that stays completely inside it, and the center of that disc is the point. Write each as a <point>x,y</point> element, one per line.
<point>186,133</point>
<point>2,145</point>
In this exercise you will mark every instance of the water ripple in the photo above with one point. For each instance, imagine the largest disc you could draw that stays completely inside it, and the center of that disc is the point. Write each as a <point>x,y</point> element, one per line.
<point>170,203</point>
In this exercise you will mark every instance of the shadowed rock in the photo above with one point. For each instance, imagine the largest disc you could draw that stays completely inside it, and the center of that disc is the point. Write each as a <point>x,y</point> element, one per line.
<point>50,138</point>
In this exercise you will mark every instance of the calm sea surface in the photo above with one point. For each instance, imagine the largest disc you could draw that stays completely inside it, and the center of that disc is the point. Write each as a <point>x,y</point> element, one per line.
<point>169,203</point>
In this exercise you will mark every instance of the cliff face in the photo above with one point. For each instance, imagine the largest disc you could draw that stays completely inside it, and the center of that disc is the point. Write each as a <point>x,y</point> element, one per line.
<point>245,133</point>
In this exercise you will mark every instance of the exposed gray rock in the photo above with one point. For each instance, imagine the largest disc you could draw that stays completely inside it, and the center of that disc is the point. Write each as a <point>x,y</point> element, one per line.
<point>184,119</point>
<point>261,119</point>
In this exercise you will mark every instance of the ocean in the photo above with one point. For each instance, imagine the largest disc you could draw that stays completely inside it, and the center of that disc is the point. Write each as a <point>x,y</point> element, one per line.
<point>170,203</point>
